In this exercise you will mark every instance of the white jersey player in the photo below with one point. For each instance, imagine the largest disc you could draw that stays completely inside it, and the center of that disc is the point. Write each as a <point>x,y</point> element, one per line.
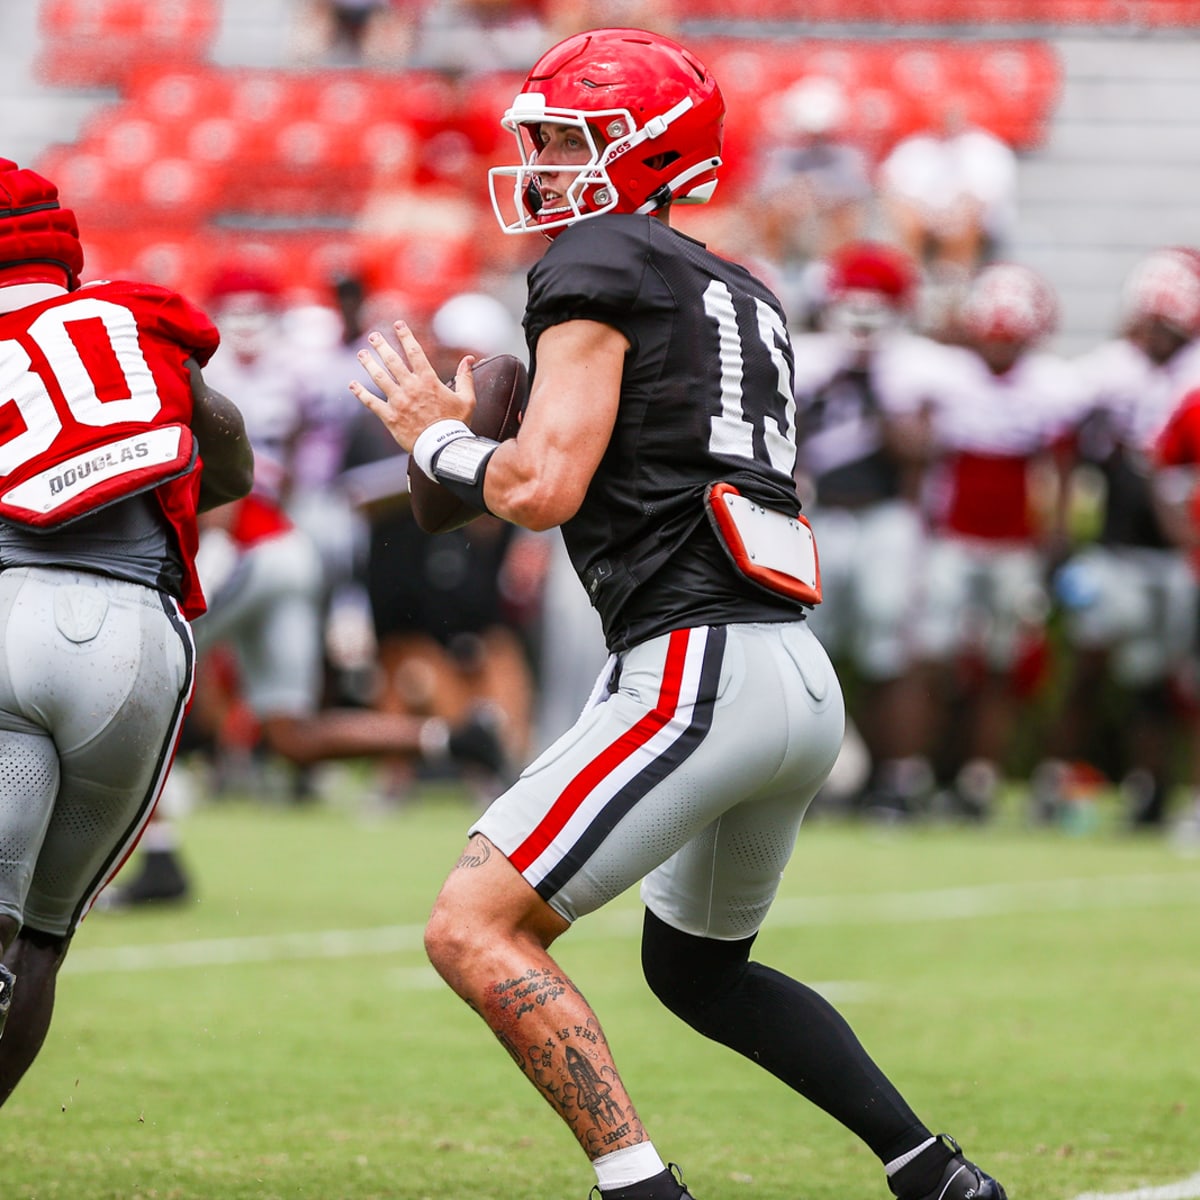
<point>1130,596</point>
<point>999,416</point>
<point>859,385</point>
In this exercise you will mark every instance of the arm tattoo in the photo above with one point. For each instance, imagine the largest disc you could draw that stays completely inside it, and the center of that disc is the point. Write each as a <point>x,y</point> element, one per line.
<point>475,855</point>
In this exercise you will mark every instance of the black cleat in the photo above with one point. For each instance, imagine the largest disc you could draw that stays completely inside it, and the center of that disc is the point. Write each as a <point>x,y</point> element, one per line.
<point>963,1180</point>
<point>667,1185</point>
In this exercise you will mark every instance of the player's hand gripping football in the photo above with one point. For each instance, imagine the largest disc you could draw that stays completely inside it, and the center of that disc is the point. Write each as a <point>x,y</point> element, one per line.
<point>413,396</point>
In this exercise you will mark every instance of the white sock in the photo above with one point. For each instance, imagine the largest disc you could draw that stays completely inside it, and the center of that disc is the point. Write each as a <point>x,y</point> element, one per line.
<point>630,1164</point>
<point>904,1159</point>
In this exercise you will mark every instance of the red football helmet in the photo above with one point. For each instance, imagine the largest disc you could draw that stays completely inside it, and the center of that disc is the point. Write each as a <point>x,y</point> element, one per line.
<point>870,286</point>
<point>1007,302</point>
<point>1166,285</point>
<point>39,239</point>
<point>873,267</point>
<point>650,112</point>
<point>245,303</point>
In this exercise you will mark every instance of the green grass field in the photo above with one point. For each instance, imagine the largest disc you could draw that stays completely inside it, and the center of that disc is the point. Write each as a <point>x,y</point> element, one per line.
<point>1034,993</point>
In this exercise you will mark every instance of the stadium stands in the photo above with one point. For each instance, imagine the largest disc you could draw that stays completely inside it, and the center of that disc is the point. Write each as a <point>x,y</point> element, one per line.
<point>98,43</point>
<point>958,13</point>
<point>197,148</point>
<point>204,149</point>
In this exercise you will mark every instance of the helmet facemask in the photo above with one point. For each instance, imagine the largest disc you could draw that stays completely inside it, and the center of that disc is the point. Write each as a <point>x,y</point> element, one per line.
<point>862,317</point>
<point>612,137</point>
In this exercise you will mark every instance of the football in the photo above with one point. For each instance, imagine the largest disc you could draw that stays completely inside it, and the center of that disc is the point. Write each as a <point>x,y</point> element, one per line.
<point>501,388</point>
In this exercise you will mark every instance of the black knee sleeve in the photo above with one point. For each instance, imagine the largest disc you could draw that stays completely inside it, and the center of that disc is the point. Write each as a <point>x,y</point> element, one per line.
<point>688,973</point>
<point>781,1025</point>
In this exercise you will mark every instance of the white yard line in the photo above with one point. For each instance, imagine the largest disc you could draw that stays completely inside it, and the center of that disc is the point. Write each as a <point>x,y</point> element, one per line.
<point>992,900</point>
<point>940,904</point>
<point>1185,1189</point>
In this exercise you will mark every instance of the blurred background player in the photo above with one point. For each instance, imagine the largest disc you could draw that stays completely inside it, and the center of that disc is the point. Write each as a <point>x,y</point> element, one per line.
<point>465,36</point>
<point>1129,596</point>
<point>1177,494</point>
<point>350,33</point>
<point>97,581</point>
<point>324,344</point>
<point>861,387</point>
<point>451,611</point>
<point>262,680</point>
<point>1000,429</point>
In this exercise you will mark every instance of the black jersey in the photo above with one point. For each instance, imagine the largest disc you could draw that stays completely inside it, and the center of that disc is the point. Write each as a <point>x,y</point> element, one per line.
<point>706,395</point>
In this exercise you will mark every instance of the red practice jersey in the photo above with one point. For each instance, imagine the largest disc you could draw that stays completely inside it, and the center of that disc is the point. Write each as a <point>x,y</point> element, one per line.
<point>96,405</point>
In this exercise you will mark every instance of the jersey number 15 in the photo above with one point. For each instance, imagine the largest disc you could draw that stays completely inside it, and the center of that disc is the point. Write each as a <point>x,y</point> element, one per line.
<point>731,432</point>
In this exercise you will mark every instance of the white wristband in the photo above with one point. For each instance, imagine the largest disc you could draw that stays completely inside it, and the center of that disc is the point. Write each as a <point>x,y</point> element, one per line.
<point>433,438</point>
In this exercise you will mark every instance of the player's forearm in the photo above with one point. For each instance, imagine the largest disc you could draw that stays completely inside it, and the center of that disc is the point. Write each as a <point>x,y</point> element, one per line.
<point>225,451</point>
<point>536,490</point>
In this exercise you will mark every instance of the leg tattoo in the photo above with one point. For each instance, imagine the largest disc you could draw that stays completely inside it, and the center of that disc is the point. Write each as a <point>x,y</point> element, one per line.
<point>550,1032</point>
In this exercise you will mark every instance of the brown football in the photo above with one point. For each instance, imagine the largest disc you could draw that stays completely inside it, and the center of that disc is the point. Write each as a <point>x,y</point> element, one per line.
<point>501,387</point>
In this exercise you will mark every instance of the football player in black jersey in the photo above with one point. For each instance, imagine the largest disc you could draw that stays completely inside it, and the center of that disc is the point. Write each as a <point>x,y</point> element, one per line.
<point>660,435</point>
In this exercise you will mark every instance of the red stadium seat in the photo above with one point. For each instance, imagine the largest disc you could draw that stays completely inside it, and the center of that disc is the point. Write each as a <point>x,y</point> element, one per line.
<point>170,257</point>
<point>482,102</point>
<point>124,139</point>
<point>263,98</point>
<point>101,42</point>
<point>173,258</point>
<point>176,93</point>
<point>176,189</point>
<point>431,268</point>
<point>391,153</point>
<point>211,141</point>
<point>88,183</point>
<point>1017,85</point>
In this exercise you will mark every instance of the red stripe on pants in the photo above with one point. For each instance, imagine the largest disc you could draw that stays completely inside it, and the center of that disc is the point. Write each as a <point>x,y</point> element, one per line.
<point>596,771</point>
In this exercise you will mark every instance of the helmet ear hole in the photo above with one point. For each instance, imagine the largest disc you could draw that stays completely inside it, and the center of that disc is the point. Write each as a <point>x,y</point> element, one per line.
<point>660,162</point>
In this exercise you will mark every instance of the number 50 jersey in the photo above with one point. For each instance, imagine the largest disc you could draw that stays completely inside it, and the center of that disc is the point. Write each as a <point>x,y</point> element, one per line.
<point>706,396</point>
<point>95,407</point>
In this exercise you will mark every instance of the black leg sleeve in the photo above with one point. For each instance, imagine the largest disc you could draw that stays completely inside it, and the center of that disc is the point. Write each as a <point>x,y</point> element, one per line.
<point>783,1026</point>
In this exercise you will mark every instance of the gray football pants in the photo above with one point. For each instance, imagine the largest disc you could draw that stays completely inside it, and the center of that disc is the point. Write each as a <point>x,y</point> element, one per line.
<point>95,677</point>
<point>693,775</point>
